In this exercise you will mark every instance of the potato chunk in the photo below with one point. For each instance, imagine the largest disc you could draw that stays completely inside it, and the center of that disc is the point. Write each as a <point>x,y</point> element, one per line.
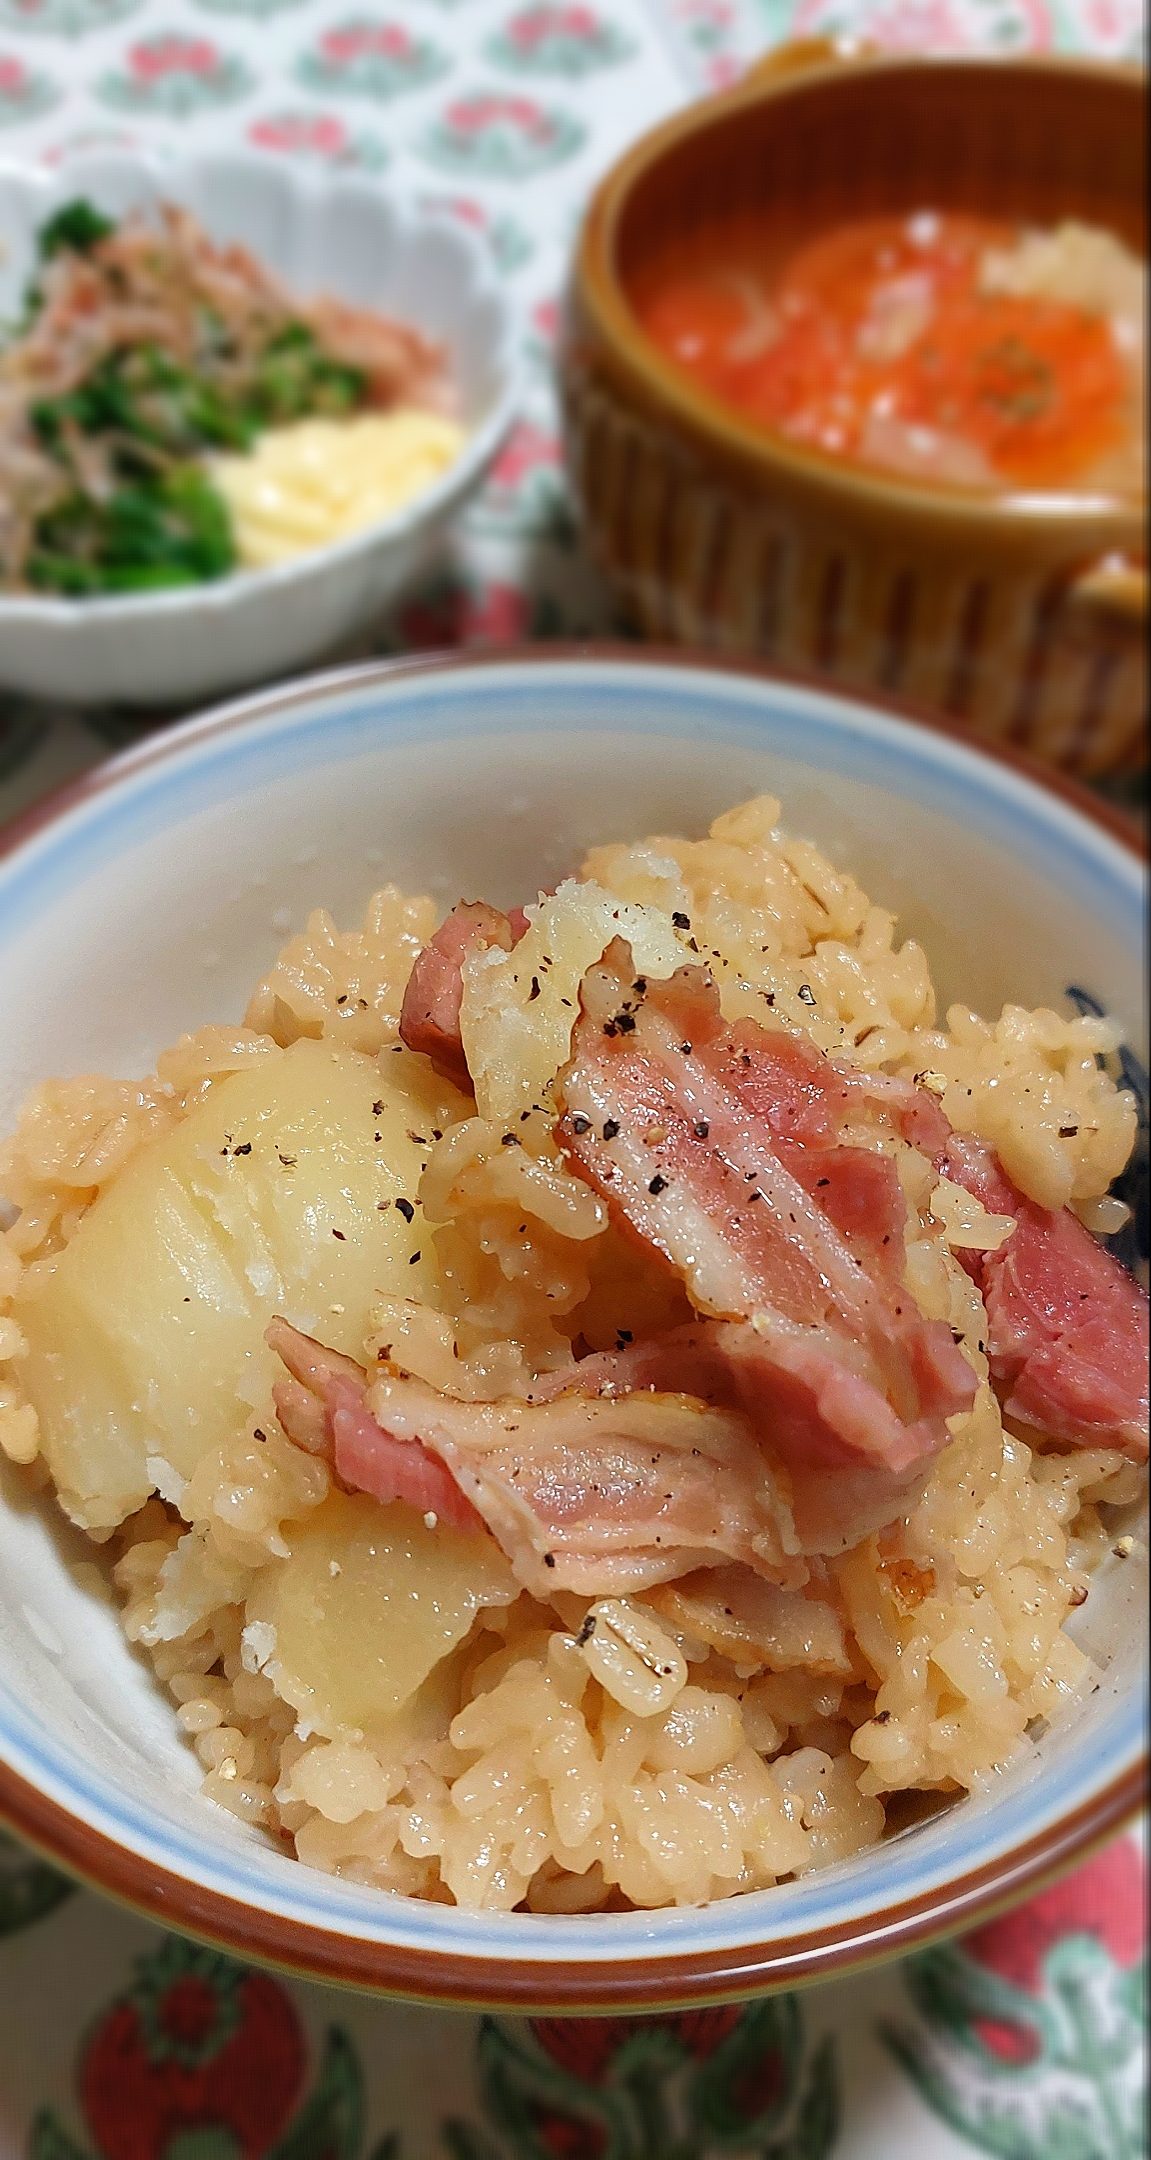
<point>367,1606</point>
<point>519,1008</point>
<point>276,1195</point>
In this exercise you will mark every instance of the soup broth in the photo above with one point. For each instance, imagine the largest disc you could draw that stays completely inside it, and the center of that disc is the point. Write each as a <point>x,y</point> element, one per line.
<point>940,347</point>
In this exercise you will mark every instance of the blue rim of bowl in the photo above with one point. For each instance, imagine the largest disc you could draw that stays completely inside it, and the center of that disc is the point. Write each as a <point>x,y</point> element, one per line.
<point>788,1959</point>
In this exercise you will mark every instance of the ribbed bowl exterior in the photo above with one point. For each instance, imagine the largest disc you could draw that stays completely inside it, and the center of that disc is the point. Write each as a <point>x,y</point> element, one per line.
<point>718,538</point>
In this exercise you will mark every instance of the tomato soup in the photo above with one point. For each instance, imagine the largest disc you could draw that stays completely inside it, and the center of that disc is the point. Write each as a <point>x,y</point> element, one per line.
<point>941,347</point>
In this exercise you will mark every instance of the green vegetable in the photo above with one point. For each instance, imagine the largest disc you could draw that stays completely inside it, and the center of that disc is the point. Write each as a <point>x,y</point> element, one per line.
<point>163,523</point>
<point>168,530</point>
<point>77,228</point>
<point>149,396</point>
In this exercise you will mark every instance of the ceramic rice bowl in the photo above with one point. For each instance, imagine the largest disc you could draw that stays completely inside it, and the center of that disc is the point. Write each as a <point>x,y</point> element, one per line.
<point>152,895</point>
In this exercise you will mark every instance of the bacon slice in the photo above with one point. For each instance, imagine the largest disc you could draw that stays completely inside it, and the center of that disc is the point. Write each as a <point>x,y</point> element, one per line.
<point>430,1017</point>
<point>322,1406</point>
<point>730,1152</point>
<point>1067,1324</point>
<point>583,1492</point>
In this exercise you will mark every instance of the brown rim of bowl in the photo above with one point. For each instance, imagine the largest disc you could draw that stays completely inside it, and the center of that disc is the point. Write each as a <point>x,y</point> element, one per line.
<point>508,1983</point>
<point>738,439</point>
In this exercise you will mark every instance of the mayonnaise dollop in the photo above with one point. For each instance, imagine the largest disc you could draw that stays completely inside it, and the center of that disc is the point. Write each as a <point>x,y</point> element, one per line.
<point>318,481</point>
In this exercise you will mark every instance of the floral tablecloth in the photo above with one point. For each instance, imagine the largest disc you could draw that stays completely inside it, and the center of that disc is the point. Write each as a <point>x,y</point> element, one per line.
<point>1026,2041</point>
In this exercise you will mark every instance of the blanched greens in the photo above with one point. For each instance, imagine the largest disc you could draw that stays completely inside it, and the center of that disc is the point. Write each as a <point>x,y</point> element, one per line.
<point>154,520</point>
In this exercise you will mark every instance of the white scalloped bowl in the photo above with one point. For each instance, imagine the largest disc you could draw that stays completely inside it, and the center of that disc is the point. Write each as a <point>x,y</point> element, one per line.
<point>319,233</point>
<point>150,898</point>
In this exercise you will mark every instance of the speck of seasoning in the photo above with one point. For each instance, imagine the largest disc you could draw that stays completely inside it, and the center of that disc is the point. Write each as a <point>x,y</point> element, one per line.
<point>640,986</point>
<point>406,1209</point>
<point>623,1335</point>
<point>342,1000</point>
<point>567,1002</point>
<point>338,1234</point>
<point>823,1181</point>
<point>757,1195</point>
<point>377,1109</point>
<point>417,1138</point>
<point>623,1024</point>
<point>549,1559</point>
<point>436,1133</point>
<point>682,922</point>
<point>257,1434</point>
<point>701,1129</point>
<point>587,1630</point>
<point>511,1139</point>
<point>806,994</point>
<point>658,1184</point>
<point>1123,1548</point>
<point>685,1049</point>
<point>580,1123</point>
<point>611,1128</point>
<point>187,1301</point>
<point>245,1148</point>
<point>1079,1594</point>
<point>1066,1132</point>
<point>289,1161</point>
<point>534,992</point>
<point>881,1717</point>
<point>415,1256</point>
<point>769,997</point>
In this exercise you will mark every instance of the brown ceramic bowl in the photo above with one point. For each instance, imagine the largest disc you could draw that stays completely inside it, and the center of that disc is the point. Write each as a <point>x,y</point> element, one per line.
<point>1022,616</point>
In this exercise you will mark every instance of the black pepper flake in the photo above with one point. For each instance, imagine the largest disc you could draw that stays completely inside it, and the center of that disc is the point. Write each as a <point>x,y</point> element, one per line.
<point>587,1630</point>
<point>511,1139</point>
<point>377,1109</point>
<point>338,1234</point>
<point>406,1209</point>
<point>623,1335</point>
<point>1066,1132</point>
<point>289,1161</point>
<point>685,1049</point>
<point>436,1133</point>
<point>581,1124</point>
<point>342,1000</point>
<point>623,1024</point>
<point>567,1002</point>
<point>881,1717</point>
<point>415,1256</point>
<point>758,1196</point>
<point>682,922</point>
<point>658,1184</point>
<point>417,1138</point>
<point>534,992</point>
<point>245,1148</point>
<point>640,986</point>
<point>611,1128</point>
<point>823,1181</point>
<point>701,1129</point>
<point>806,994</point>
<point>549,1559</point>
<point>257,1434</point>
<point>769,997</point>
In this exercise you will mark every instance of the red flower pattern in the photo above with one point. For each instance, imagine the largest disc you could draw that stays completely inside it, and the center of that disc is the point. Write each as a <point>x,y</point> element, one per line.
<point>362,41</point>
<point>180,2063</point>
<point>587,2047</point>
<point>159,57</point>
